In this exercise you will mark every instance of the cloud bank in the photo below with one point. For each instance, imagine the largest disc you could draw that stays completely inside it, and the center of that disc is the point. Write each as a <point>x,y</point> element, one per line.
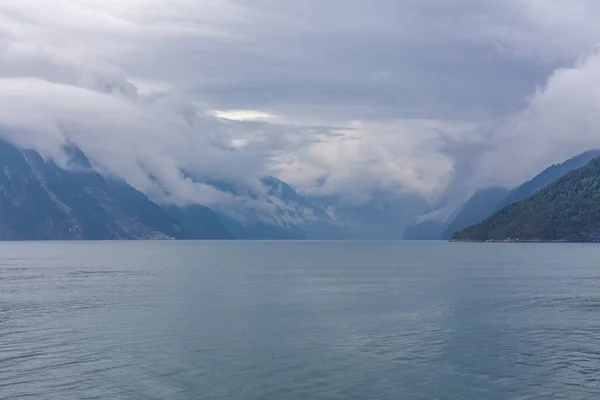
<point>338,98</point>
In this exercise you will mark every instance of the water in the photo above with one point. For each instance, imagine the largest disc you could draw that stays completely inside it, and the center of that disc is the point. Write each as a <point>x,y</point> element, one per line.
<point>299,320</point>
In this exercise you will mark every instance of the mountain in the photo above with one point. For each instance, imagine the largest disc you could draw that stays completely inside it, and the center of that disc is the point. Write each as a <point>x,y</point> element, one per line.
<point>283,213</point>
<point>480,206</point>
<point>294,216</point>
<point>293,207</point>
<point>44,200</point>
<point>39,200</point>
<point>425,230</point>
<point>431,224</point>
<point>199,222</point>
<point>548,176</point>
<point>566,210</point>
<point>487,201</point>
<point>277,212</point>
<point>260,230</point>
<point>383,217</point>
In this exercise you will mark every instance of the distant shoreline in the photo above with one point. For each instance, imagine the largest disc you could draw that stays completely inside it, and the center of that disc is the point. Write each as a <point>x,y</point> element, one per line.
<point>515,241</point>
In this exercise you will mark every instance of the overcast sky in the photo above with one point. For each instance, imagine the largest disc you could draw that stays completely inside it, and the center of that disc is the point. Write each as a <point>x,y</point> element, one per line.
<point>342,97</point>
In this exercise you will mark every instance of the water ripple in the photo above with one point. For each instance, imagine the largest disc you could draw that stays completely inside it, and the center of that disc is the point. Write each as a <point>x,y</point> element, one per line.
<point>295,321</point>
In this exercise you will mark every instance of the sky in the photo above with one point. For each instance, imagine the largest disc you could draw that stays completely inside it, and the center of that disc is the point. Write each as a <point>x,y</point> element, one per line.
<point>337,97</point>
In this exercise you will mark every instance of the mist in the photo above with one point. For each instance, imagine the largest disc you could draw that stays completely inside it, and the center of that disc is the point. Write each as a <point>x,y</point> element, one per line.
<point>335,98</point>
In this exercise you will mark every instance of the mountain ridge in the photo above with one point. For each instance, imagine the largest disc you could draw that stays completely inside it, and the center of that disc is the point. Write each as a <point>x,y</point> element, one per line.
<point>567,210</point>
<point>485,202</point>
<point>42,200</point>
<point>479,206</point>
<point>548,176</point>
<point>39,200</point>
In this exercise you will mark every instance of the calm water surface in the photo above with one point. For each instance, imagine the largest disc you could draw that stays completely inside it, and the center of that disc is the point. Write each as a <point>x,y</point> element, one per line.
<point>297,321</point>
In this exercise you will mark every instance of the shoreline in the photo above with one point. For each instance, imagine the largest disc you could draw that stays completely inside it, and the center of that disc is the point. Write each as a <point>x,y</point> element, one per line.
<point>516,241</point>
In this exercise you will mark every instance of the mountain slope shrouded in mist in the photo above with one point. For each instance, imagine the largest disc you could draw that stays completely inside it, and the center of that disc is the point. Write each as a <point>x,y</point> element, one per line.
<point>425,230</point>
<point>39,200</point>
<point>280,212</point>
<point>44,200</point>
<point>546,177</point>
<point>486,202</point>
<point>480,206</point>
<point>199,222</point>
<point>566,210</point>
<point>47,199</point>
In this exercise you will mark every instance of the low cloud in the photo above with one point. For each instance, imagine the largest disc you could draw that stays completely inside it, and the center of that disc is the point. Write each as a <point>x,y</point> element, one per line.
<point>339,98</point>
<point>562,119</point>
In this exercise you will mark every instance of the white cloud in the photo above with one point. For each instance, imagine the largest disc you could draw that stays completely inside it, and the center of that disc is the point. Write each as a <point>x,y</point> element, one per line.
<point>338,97</point>
<point>561,120</point>
<point>399,156</point>
<point>243,115</point>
